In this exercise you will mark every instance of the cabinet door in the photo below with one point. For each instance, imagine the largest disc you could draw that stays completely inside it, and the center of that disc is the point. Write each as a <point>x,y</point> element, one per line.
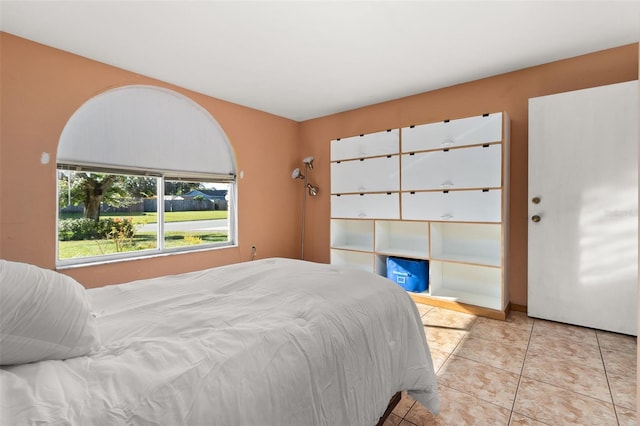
<point>375,206</point>
<point>474,167</point>
<point>451,133</point>
<point>366,175</point>
<point>459,206</point>
<point>370,145</point>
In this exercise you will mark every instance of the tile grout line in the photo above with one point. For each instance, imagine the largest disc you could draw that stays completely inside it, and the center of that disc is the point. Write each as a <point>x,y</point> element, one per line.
<point>403,418</point>
<point>526,352</point>
<point>601,342</point>
<point>606,376</point>
<point>449,354</point>
<point>581,393</point>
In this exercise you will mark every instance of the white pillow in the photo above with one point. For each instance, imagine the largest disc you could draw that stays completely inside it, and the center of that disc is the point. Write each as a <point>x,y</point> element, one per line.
<point>43,315</point>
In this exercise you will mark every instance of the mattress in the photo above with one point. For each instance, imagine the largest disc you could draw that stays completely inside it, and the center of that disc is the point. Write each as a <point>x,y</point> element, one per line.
<point>269,342</point>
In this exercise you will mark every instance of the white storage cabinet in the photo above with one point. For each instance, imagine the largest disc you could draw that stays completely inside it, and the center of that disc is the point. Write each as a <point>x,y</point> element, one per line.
<point>436,192</point>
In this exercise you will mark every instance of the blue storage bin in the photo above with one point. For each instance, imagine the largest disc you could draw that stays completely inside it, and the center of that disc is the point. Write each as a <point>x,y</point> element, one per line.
<point>411,274</point>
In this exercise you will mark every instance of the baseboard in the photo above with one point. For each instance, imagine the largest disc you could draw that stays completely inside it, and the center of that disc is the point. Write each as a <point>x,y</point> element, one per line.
<point>518,308</point>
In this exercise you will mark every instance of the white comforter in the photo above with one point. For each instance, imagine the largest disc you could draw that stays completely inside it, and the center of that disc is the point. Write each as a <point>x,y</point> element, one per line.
<point>270,342</point>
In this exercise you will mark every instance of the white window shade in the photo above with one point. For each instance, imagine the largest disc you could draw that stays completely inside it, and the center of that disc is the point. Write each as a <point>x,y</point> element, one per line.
<point>147,128</point>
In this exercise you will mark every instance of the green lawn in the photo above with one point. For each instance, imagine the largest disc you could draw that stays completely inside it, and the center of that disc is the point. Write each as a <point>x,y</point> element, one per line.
<point>141,241</point>
<point>152,217</point>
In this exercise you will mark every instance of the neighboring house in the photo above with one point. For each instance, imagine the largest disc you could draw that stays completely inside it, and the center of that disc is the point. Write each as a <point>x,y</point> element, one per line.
<point>217,196</point>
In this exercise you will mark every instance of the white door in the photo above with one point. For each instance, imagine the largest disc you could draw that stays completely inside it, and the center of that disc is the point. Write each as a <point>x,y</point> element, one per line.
<point>583,209</point>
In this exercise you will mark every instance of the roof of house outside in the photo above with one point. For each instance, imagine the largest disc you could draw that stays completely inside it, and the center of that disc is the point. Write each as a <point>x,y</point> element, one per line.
<point>212,194</point>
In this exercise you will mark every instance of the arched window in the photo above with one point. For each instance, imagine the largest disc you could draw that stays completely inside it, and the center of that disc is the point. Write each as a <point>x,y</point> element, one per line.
<point>143,170</point>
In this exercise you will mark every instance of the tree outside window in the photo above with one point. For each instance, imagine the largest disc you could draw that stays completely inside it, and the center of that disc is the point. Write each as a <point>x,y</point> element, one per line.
<point>105,215</point>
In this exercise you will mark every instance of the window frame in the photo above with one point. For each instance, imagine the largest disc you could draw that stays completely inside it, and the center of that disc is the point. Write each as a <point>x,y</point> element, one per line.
<point>146,130</point>
<point>160,250</point>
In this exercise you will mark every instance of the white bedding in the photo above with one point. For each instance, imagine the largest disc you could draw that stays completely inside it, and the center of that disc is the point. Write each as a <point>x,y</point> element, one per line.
<point>269,342</point>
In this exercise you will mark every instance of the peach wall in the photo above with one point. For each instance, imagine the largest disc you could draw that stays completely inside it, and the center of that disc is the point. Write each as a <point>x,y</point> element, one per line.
<point>42,87</point>
<point>507,92</point>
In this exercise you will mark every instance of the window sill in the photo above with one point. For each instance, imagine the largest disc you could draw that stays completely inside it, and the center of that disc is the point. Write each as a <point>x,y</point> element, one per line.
<point>78,263</point>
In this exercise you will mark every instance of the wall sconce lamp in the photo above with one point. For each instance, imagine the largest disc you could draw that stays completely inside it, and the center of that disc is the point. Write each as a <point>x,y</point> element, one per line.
<point>312,190</point>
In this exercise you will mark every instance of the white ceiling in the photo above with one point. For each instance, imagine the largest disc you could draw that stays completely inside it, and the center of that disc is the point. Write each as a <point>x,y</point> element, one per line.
<point>306,59</point>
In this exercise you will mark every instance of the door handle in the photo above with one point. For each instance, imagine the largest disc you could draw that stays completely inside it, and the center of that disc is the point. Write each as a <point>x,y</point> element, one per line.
<point>536,218</point>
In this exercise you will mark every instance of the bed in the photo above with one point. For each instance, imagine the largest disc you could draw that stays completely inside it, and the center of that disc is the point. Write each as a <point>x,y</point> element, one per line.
<point>268,342</point>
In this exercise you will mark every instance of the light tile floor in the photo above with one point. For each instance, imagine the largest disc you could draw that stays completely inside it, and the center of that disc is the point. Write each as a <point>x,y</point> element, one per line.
<point>524,371</point>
